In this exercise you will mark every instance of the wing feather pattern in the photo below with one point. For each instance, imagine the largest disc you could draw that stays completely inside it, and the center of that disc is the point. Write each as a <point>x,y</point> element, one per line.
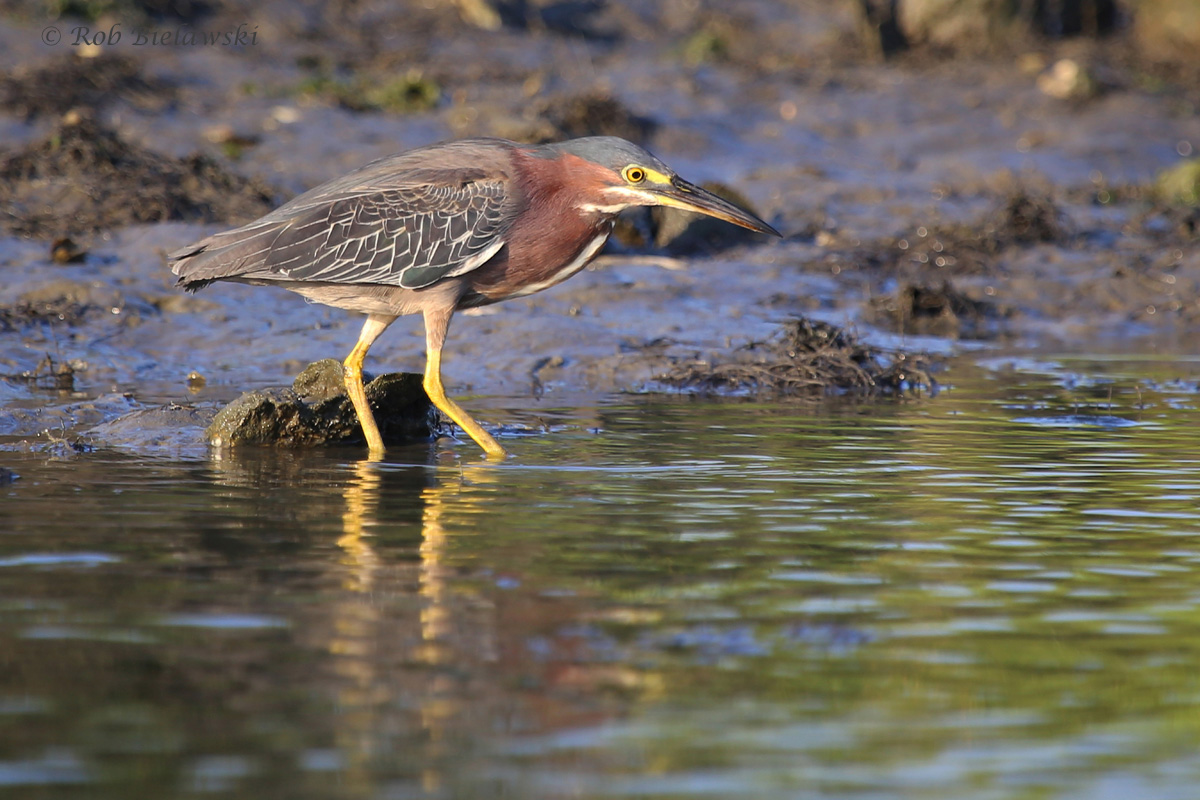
<point>409,238</point>
<point>389,223</point>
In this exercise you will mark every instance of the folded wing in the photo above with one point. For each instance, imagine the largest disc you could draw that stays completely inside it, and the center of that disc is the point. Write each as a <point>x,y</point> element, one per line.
<point>409,230</point>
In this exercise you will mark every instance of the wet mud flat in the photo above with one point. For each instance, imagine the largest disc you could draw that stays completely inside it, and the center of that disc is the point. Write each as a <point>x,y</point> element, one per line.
<point>932,203</point>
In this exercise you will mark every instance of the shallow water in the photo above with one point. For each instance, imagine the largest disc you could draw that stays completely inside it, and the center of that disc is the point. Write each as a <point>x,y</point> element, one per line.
<point>986,594</point>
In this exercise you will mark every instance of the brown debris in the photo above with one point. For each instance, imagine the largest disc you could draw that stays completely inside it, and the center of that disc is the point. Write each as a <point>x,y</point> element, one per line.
<point>1028,218</point>
<point>64,250</point>
<point>60,302</point>
<point>60,85</point>
<point>594,114</point>
<point>1020,219</point>
<point>85,178</point>
<point>935,310</point>
<point>48,375</point>
<point>806,359</point>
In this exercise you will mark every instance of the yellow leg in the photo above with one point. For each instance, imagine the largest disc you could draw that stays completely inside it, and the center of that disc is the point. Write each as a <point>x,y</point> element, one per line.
<point>375,325</point>
<point>436,323</point>
<point>437,396</point>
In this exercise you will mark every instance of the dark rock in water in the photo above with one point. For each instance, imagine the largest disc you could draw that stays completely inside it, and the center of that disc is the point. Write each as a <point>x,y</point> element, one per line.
<point>316,410</point>
<point>7,476</point>
<point>322,381</point>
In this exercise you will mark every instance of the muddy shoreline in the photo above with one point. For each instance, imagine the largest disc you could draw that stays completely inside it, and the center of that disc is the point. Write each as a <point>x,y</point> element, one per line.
<point>942,204</point>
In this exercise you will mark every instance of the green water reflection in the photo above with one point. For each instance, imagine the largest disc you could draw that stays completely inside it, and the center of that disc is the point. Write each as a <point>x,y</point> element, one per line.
<point>992,594</point>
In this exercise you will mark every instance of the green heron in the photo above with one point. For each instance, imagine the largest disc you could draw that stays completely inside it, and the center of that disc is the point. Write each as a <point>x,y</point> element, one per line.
<point>440,228</point>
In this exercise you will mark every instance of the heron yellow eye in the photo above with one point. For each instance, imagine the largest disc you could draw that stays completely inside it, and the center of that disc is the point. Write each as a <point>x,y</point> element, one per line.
<point>635,174</point>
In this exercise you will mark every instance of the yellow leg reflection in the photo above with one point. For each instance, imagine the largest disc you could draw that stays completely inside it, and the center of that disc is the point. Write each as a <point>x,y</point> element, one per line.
<point>355,626</point>
<point>451,632</point>
<point>415,659</point>
<point>442,639</point>
<point>362,499</point>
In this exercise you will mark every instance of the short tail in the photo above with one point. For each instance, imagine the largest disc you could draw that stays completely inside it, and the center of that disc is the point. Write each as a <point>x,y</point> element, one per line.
<point>224,256</point>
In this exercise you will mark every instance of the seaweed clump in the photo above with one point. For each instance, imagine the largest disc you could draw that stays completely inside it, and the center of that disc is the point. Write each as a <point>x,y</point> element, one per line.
<point>63,84</point>
<point>60,302</point>
<point>807,359</point>
<point>84,178</point>
<point>594,114</point>
<point>937,310</point>
<point>1023,218</point>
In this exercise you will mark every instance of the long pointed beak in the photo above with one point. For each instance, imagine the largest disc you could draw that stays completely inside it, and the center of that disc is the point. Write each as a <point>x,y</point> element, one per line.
<point>690,197</point>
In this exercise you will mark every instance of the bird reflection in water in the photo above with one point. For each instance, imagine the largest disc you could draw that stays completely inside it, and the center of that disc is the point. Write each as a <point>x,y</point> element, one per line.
<point>410,658</point>
<point>443,628</point>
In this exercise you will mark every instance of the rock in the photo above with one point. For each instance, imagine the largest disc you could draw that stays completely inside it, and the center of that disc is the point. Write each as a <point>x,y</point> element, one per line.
<point>1068,80</point>
<point>960,24</point>
<point>7,476</point>
<point>953,22</point>
<point>314,411</point>
<point>1167,30</point>
<point>321,381</point>
<point>65,251</point>
<point>480,13</point>
<point>317,411</point>
<point>879,26</point>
